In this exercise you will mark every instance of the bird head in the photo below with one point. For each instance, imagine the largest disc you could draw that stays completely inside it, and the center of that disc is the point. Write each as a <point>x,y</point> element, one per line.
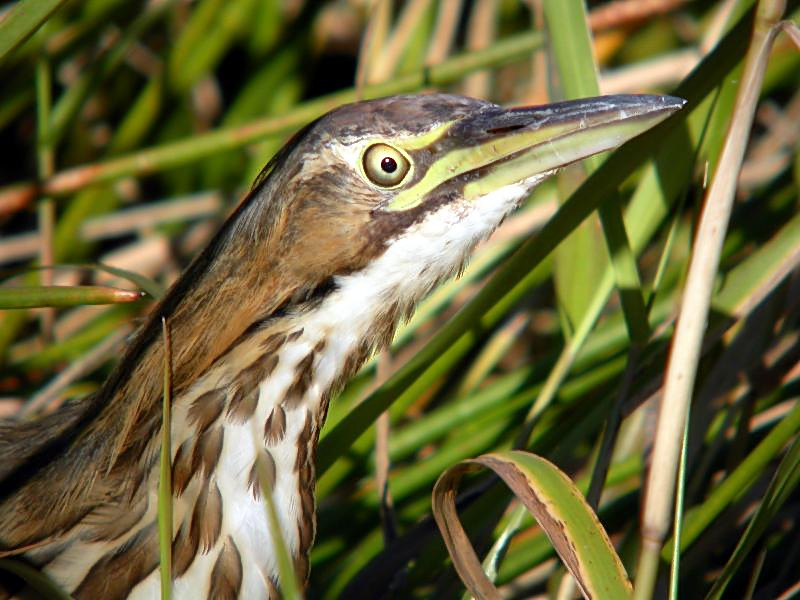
<point>434,172</point>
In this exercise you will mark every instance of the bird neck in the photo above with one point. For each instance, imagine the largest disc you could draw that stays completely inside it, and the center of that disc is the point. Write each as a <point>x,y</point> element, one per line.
<point>267,412</point>
<point>251,421</point>
<point>262,270</point>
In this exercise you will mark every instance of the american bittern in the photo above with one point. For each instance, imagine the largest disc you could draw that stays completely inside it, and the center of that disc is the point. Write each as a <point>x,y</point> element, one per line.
<point>351,223</point>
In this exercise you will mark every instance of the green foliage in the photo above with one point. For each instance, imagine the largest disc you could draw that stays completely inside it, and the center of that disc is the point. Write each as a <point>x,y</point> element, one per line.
<point>537,345</point>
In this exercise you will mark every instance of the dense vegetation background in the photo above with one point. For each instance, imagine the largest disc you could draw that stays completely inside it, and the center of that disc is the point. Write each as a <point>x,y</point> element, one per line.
<point>129,129</point>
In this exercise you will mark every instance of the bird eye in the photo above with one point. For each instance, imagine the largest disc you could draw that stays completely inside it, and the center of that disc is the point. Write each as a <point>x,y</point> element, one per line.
<point>385,166</point>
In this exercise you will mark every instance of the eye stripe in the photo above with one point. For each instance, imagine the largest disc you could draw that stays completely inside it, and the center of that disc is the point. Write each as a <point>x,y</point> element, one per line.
<point>471,158</point>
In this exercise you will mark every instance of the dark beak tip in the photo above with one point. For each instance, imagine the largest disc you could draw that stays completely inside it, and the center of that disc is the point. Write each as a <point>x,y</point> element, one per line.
<point>673,102</point>
<point>640,105</point>
<point>646,102</point>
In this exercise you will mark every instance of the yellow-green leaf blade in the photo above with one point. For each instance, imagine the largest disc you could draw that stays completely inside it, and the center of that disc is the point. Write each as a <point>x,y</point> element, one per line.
<point>561,511</point>
<point>22,21</point>
<point>165,472</point>
<point>59,296</point>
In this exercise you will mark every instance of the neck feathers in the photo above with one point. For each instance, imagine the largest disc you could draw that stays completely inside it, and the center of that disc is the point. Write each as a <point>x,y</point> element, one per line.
<point>276,257</point>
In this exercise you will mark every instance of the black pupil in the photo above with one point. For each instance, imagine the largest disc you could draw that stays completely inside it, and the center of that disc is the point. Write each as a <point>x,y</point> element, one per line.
<point>388,164</point>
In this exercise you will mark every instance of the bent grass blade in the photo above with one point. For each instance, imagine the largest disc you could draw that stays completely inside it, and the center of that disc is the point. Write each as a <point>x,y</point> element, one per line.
<point>562,512</point>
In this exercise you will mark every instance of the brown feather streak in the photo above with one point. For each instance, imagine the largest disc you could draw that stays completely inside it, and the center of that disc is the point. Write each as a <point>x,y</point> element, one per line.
<point>305,481</point>
<point>206,409</point>
<point>267,463</point>
<point>113,576</point>
<point>184,548</point>
<point>182,471</point>
<point>226,577</point>
<point>207,451</point>
<point>207,517</point>
<point>303,377</point>
<point>245,398</point>
<point>275,426</point>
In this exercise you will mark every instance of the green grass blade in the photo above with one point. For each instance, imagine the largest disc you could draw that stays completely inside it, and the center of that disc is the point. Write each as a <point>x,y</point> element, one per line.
<point>59,296</point>
<point>680,494</point>
<point>43,585</point>
<point>581,259</point>
<point>570,41</point>
<point>785,481</point>
<point>769,263</point>
<point>738,482</point>
<point>154,289</point>
<point>165,473</point>
<point>23,19</point>
<point>75,96</point>
<point>561,511</point>
<point>150,286</point>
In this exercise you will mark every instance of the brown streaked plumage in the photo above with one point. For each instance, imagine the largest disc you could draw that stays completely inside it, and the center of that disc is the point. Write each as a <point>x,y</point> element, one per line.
<point>275,426</point>
<point>206,409</point>
<point>226,578</point>
<point>308,277</point>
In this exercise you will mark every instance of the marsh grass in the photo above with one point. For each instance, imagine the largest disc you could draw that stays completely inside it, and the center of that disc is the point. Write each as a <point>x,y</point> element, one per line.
<point>548,341</point>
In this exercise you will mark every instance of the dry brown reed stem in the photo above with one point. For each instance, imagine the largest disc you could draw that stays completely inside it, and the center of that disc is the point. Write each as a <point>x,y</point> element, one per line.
<point>121,223</point>
<point>444,33</point>
<point>392,51</point>
<point>372,42</point>
<point>663,71</point>
<point>481,32</point>
<point>626,12</point>
<point>690,331</point>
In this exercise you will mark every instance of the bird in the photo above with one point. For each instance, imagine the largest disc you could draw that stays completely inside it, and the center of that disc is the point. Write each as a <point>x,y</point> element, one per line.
<point>361,214</point>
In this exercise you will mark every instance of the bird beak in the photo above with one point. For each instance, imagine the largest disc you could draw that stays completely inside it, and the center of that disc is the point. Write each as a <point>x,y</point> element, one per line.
<point>497,147</point>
